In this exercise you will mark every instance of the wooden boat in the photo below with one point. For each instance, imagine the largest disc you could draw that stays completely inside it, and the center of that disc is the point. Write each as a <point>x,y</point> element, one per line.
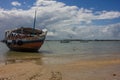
<point>23,39</point>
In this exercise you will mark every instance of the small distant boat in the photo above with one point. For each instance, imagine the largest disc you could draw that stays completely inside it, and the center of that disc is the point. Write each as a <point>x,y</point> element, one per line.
<point>64,41</point>
<point>25,38</point>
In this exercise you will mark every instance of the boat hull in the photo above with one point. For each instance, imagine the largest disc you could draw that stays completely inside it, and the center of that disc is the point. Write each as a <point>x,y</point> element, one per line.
<point>26,46</point>
<point>25,39</point>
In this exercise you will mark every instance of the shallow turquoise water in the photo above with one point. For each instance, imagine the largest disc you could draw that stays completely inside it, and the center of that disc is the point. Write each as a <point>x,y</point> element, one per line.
<point>77,47</point>
<point>56,52</point>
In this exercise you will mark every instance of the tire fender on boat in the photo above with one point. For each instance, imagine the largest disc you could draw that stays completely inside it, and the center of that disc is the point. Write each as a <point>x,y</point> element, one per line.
<point>19,42</point>
<point>7,42</point>
<point>13,41</point>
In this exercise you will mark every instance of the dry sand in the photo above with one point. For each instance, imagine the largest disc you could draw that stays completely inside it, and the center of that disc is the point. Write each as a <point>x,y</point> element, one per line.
<point>77,70</point>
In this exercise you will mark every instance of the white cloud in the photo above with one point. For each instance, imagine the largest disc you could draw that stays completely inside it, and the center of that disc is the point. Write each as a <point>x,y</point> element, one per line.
<point>108,15</point>
<point>88,15</point>
<point>99,32</point>
<point>15,3</point>
<point>62,21</point>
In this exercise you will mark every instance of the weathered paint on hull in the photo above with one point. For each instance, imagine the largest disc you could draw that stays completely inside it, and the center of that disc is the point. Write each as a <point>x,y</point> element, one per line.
<point>33,46</point>
<point>25,39</point>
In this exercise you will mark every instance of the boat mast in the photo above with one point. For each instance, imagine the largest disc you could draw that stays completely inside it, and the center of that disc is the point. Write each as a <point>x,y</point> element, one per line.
<point>34,22</point>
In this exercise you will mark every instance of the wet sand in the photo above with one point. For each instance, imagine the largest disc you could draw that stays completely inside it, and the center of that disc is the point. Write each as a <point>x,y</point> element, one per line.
<point>77,70</point>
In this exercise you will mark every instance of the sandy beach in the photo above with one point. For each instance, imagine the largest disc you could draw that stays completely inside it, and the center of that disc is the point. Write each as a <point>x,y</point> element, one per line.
<point>77,70</point>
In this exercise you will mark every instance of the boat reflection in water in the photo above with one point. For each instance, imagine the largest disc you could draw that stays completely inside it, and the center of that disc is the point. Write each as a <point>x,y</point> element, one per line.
<point>18,57</point>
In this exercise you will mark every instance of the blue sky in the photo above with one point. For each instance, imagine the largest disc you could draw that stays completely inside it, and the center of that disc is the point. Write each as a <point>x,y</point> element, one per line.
<point>26,4</point>
<point>95,4</point>
<point>82,19</point>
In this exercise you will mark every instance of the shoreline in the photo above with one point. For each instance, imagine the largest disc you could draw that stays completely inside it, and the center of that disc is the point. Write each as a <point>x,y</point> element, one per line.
<point>74,61</point>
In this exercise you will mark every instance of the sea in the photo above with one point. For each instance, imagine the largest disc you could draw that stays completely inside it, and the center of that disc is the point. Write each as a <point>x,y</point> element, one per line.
<point>55,52</point>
